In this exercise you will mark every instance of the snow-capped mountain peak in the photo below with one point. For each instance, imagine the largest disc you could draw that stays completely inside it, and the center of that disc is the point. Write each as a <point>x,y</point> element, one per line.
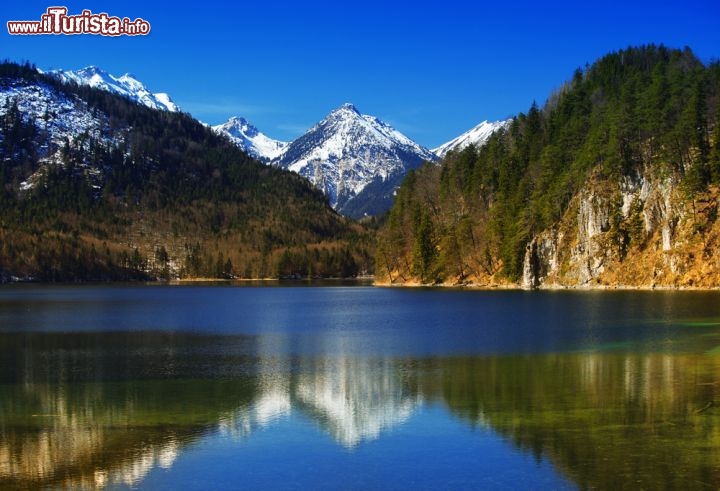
<point>126,85</point>
<point>348,106</point>
<point>250,139</point>
<point>237,124</point>
<point>476,136</point>
<point>348,151</point>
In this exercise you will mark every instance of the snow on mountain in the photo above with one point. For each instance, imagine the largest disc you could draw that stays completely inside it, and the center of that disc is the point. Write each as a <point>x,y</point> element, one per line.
<point>126,85</point>
<point>250,140</point>
<point>348,153</point>
<point>62,119</point>
<point>476,136</point>
<point>52,112</point>
<point>165,100</point>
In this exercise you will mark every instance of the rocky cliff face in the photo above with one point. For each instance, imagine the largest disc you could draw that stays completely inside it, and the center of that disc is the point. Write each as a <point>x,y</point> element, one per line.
<point>644,230</point>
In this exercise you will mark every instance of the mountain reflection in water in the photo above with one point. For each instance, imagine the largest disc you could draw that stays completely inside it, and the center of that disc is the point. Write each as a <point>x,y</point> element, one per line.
<point>101,409</point>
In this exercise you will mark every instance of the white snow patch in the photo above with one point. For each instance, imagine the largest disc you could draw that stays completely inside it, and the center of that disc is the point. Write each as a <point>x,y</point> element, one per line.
<point>249,139</point>
<point>476,136</point>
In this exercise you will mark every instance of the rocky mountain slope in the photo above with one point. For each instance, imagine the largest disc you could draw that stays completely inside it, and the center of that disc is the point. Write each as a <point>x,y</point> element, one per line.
<point>250,140</point>
<point>126,85</point>
<point>643,231</point>
<point>355,159</point>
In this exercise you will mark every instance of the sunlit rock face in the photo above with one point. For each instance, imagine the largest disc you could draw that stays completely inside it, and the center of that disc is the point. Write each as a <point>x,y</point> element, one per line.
<point>638,231</point>
<point>78,438</point>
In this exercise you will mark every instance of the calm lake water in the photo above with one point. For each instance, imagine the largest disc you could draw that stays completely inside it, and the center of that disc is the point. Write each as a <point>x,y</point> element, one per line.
<point>347,387</point>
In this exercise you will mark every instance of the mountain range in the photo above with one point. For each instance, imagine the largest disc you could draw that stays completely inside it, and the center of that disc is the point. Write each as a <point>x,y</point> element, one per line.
<point>94,185</point>
<point>357,160</point>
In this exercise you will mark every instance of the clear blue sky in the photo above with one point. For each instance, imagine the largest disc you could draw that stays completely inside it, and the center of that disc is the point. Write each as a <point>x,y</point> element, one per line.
<point>431,69</point>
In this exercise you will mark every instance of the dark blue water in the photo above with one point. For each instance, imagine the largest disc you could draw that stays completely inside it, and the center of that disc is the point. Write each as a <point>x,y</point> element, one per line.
<point>347,387</point>
<point>369,320</point>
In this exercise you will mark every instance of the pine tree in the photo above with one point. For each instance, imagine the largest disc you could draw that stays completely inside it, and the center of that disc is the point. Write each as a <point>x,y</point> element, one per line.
<point>424,251</point>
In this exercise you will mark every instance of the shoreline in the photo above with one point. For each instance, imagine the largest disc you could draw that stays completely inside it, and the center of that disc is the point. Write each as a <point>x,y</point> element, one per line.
<point>553,287</point>
<point>368,280</point>
<point>183,281</point>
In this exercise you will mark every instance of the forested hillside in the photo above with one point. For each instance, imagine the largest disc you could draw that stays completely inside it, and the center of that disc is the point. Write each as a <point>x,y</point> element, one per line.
<point>613,181</point>
<point>97,187</point>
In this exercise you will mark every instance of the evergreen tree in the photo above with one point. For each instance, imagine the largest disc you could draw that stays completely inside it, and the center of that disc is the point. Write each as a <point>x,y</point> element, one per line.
<point>424,251</point>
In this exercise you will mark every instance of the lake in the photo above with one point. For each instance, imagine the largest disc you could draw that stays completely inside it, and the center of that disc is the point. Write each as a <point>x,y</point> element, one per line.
<point>356,387</point>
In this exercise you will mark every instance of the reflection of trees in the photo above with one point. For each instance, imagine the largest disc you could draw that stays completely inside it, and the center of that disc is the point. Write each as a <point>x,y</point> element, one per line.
<point>605,420</point>
<point>61,426</point>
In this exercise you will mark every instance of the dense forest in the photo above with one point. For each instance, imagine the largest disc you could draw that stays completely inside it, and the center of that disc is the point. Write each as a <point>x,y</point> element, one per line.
<point>636,114</point>
<point>153,194</point>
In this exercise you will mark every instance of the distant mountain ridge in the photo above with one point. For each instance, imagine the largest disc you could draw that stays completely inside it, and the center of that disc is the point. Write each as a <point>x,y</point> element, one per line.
<point>357,160</point>
<point>126,85</point>
<point>477,136</point>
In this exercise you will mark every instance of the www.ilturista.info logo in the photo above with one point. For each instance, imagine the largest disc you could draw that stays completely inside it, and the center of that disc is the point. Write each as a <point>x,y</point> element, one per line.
<point>57,21</point>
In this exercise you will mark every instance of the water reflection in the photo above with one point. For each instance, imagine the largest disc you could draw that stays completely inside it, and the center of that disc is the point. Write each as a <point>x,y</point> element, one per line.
<point>355,399</point>
<point>603,419</point>
<point>53,439</point>
<point>351,399</point>
<point>88,413</point>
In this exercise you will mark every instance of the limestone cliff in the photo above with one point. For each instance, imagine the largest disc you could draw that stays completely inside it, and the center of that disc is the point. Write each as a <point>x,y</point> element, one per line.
<point>643,230</point>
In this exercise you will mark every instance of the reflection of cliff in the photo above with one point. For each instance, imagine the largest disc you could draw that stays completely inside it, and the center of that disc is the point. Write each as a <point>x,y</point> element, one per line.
<point>82,412</point>
<point>605,420</point>
<point>355,399</point>
<point>89,435</point>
